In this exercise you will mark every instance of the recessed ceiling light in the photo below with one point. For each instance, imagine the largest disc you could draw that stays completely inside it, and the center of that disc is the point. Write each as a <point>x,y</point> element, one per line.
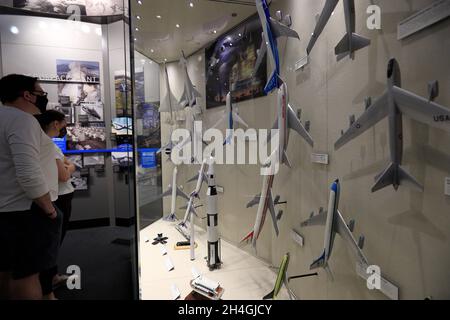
<point>138,17</point>
<point>158,16</point>
<point>151,50</point>
<point>215,31</point>
<point>240,34</point>
<point>165,60</point>
<point>177,25</point>
<point>135,39</point>
<point>191,5</point>
<point>137,29</point>
<point>14,30</point>
<point>139,2</point>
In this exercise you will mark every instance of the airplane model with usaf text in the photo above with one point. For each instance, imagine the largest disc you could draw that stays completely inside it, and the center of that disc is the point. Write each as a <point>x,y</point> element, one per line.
<point>351,41</point>
<point>394,103</point>
<point>334,223</point>
<point>287,118</point>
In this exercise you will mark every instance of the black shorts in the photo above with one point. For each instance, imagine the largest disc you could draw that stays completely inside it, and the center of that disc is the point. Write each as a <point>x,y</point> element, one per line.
<point>29,242</point>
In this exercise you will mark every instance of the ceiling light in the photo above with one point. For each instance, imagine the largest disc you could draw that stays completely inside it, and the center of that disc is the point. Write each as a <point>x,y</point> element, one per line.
<point>14,30</point>
<point>151,50</point>
<point>215,31</point>
<point>137,29</point>
<point>135,39</point>
<point>138,17</point>
<point>191,5</point>
<point>165,60</point>
<point>158,16</point>
<point>139,2</point>
<point>177,25</point>
<point>240,34</point>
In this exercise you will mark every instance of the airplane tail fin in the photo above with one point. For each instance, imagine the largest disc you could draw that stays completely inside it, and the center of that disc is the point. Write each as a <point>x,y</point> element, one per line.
<point>388,177</point>
<point>319,263</point>
<point>248,238</point>
<point>269,296</point>
<point>347,46</point>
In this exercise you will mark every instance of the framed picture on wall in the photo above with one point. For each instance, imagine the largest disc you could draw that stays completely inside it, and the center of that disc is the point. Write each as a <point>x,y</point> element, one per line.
<point>230,64</point>
<point>86,136</point>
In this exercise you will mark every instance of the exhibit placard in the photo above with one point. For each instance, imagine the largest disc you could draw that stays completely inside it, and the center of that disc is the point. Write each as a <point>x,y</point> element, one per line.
<point>432,14</point>
<point>320,158</point>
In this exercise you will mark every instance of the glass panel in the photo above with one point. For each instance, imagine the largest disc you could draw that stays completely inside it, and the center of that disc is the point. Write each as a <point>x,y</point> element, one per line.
<point>81,54</point>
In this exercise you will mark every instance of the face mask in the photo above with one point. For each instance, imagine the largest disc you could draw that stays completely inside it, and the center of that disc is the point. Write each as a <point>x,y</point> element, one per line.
<point>41,103</point>
<point>62,132</point>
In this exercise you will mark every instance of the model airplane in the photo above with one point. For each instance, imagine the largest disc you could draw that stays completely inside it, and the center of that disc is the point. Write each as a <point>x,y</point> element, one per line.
<point>169,98</point>
<point>230,117</point>
<point>272,30</point>
<point>281,279</point>
<point>393,104</point>
<point>190,94</point>
<point>334,223</point>
<point>265,202</point>
<point>351,41</point>
<point>175,191</point>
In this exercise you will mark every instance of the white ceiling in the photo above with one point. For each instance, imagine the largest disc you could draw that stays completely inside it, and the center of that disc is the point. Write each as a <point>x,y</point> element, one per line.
<point>197,24</point>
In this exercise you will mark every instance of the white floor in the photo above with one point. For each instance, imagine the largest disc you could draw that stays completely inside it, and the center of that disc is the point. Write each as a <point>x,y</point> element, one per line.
<point>242,276</point>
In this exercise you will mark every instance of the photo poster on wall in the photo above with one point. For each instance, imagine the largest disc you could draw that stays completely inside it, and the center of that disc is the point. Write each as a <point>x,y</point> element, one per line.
<point>78,181</point>
<point>92,160</point>
<point>122,126</point>
<point>90,136</point>
<point>86,7</point>
<point>230,64</point>
<point>122,87</point>
<point>148,123</point>
<point>139,86</point>
<point>122,159</point>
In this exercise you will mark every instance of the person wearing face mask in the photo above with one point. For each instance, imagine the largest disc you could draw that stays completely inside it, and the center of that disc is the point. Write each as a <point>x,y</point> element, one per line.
<point>28,218</point>
<point>54,125</point>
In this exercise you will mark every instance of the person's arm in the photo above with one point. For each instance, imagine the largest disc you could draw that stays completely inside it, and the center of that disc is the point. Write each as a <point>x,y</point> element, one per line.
<point>24,138</point>
<point>70,166</point>
<point>63,172</point>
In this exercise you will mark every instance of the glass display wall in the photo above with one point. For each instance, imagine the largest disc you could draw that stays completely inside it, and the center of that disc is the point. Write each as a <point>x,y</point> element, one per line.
<point>80,52</point>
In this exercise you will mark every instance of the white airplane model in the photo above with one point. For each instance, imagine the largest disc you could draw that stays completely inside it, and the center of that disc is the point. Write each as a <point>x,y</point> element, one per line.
<point>287,119</point>
<point>175,191</point>
<point>393,104</point>
<point>169,99</point>
<point>230,117</point>
<point>190,94</point>
<point>334,223</point>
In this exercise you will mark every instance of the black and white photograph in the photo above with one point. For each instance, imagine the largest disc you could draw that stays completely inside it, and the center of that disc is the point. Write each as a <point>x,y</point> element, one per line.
<point>122,159</point>
<point>78,71</point>
<point>122,126</point>
<point>91,160</point>
<point>86,136</point>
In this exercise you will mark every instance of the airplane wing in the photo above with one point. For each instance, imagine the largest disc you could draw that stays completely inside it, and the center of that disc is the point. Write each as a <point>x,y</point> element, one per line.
<point>374,114</point>
<point>181,194</point>
<point>421,109</point>
<point>296,125</point>
<point>317,220</point>
<point>183,102</point>
<point>330,5</point>
<point>255,201</point>
<point>221,120</point>
<point>343,230</point>
<point>237,118</point>
<point>273,214</point>
<point>167,193</point>
<point>261,55</point>
<point>280,30</point>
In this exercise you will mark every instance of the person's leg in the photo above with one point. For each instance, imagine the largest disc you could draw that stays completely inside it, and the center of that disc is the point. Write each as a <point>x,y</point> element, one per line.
<point>27,288</point>
<point>5,278</point>
<point>46,280</point>
<point>64,203</point>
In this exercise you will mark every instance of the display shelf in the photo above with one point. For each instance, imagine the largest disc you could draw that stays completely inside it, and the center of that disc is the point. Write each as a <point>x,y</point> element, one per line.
<point>242,276</point>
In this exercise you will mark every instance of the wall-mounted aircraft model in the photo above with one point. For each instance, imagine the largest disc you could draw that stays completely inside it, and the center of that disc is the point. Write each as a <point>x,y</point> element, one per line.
<point>394,103</point>
<point>266,202</point>
<point>190,94</point>
<point>351,41</point>
<point>287,118</point>
<point>230,117</point>
<point>281,279</point>
<point>169,100</point>
<point>334,223</point>
<point>175,191</point>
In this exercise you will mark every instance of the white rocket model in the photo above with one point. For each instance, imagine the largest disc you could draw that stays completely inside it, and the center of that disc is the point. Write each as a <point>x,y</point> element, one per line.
<point>213,259</point>
<point>175,192</point>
